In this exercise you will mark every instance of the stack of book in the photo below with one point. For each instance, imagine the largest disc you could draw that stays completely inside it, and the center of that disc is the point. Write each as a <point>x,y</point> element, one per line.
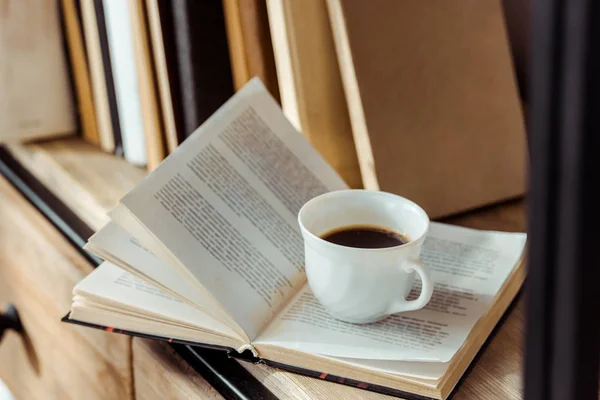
<point>380,90</point>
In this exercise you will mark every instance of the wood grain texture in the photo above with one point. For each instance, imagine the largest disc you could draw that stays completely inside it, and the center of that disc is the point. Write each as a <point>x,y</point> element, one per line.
<point>160,373</point>
<point>87,180</point>
<point>433,100</point>
<point>35,94</point>
<point>81,73</point>
<point>286,385</point>
<point>38,269</point>
<point>155,143</point>
<point>497,375</point>
<point>312,95</point>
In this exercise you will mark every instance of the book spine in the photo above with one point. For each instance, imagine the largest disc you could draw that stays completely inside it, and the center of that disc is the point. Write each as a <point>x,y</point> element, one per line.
<point>122,57</point>
<point>169,46</point>
<point>108,77</point>
<point>202,53</point>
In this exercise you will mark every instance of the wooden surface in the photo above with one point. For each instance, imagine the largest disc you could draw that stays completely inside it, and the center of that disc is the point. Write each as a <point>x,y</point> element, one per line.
<point>52,360</point>
<point>433,101</point>
<point>496,375</point>
<point>312,95</point>
<point>89,181</point>
<point>160,373</point>
<point>286,385</point>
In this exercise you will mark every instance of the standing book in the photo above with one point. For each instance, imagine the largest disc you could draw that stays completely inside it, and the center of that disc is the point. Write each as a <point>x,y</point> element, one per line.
<point>250,48</point>
<point>118,19</point>
<point>80,71</point>
<point>430,87</point>
<point>103,96</point>
<point>201,53</point>
<point>207,251</point>
<point>157,11</point>
<point>152,121</point>
<point>35,94</point>
<point>312,94</point>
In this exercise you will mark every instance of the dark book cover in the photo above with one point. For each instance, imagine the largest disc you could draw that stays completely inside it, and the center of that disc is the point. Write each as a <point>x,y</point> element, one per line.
<point>196,45</point>
<point>167,26</point>
<point>108,75</point>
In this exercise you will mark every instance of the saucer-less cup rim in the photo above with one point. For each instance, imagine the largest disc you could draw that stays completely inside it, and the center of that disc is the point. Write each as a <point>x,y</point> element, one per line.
<point>343,192</point>
<point>319,215</point>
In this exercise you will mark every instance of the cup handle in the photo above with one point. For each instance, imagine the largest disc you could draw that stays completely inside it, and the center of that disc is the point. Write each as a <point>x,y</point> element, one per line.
<point>426,288</point>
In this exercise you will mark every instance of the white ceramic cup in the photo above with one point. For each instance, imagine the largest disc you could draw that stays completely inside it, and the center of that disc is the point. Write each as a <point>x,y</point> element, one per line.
<point>364,285</point>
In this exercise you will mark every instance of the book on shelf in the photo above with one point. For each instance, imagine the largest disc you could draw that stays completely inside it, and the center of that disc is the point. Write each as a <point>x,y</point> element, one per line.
<point>250,47</point>
<point>120,35</point>
<point>433,85</point>
<point>101,75</point>
<point>147,84</point>
<point>198,44</point>
<point>35,92</point>
<point>72,21</point>
<point>158,17</point>
<point>207,251</point>
<point>312,95</point>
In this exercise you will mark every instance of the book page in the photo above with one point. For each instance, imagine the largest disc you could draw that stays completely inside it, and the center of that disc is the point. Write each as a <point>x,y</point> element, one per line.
<point>408,369</point>
<point>225,205</point>
<point>468,267</point>
<point>111,286</point>
<point>114,244</point>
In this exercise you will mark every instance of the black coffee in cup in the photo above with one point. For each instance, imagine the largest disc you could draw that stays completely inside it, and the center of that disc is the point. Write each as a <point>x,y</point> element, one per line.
<point>365,237</point>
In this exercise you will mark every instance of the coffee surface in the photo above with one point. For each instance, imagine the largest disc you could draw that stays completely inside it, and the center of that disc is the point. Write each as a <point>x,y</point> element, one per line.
<point>365,237</point>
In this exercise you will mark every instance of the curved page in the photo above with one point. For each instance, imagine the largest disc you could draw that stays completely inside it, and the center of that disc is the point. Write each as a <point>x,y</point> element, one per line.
<point>121,290</point>
<point>224,204</point>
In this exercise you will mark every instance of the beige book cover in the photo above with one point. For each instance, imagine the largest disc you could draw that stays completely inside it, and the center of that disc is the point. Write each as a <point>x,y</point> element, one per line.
<point>433,100</point>
<point>35,94</point>
<point>312,95</point>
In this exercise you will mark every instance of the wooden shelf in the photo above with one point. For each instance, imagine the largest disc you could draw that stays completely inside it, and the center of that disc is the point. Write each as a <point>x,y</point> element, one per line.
<point>86,179</point>
<point>91,182</point>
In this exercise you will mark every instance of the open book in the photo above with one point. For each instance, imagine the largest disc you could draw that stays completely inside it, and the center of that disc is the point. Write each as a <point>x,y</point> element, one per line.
<point>207,251</point>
